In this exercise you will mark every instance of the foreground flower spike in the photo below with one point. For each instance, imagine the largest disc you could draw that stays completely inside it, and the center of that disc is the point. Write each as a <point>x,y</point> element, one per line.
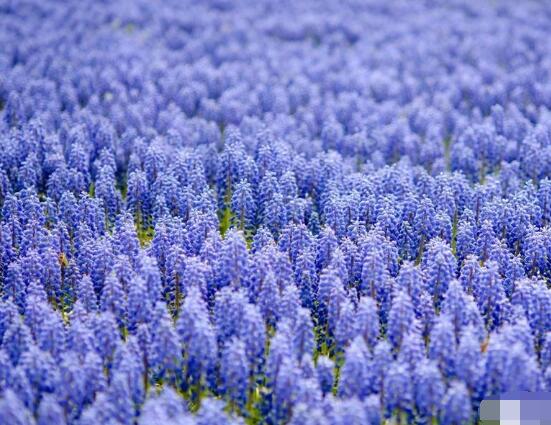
<point>442,346</point>
<point>243,206</point>
<point>400,318</point>
<point>325,369</point>
<point>199,341</point>
<point>456,406</point>
<point>413,349</point>
<point>398,389</point>
<point>212,412</point>
<point>355,374</point>
<point>234,372</point>
<point>167,405</point>
<point>367,321</point>
<point>233,262</point>
<point>50,412</point>
<point>429,389</point>
<point>113,298</point>
<point>221,212</point>
<point>440,268</point>
<point>165,348</point>
<point>469,361</point>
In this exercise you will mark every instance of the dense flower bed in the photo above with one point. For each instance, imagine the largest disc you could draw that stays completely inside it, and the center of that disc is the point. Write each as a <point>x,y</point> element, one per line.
<point>305,212</point>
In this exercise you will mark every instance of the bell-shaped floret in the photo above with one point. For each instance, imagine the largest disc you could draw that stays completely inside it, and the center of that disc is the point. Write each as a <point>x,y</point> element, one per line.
<point>305,414</point>
<point>349,411</point>
<point>382,357</point>
<point>327,242</point>
<point>148,270</point>
<point>411,279</point>
<point>280,348</point>
<point>337,299</point>
<point>303,334</point>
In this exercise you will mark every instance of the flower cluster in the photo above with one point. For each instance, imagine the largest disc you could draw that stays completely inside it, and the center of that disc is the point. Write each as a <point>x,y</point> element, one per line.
<point>230,212</point>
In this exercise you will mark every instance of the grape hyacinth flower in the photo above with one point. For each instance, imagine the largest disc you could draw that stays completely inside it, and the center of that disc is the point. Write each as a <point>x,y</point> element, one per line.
<point>225,213</point>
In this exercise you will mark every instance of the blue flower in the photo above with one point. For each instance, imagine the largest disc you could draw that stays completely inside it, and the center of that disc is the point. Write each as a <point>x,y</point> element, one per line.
<point>456,406</point>
<point>400,318</point>
<point>398,388</point>
<point>429,389</point>
<point>234,372</point>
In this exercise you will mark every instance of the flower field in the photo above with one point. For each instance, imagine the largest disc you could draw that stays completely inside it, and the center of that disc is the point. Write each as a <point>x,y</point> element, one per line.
<point>314,212</point>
